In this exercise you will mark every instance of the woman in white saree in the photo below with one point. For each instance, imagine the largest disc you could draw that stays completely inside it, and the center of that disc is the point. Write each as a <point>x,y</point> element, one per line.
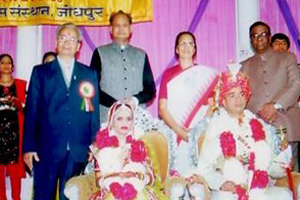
<point>184,90</point>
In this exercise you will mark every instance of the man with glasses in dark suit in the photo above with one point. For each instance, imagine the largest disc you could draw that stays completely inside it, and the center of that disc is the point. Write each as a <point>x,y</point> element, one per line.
<point>61,116</point>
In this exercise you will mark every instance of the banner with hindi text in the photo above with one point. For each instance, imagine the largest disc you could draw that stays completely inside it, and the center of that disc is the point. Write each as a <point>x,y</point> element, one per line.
<point>80,12</point>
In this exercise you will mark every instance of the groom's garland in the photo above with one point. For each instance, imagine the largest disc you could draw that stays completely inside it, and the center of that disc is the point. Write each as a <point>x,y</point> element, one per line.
<point>260,178</point>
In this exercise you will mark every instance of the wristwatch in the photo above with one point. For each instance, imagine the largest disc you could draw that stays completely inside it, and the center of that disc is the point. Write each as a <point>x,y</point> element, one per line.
<point>278,107</point>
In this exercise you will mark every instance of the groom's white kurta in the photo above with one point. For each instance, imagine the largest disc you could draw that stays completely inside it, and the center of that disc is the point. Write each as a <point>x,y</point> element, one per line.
<point>217,169</point>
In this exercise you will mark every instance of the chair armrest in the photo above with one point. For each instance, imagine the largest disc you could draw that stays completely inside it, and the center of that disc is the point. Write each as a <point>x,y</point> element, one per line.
<point>81,187</point>
<point>283,182</point>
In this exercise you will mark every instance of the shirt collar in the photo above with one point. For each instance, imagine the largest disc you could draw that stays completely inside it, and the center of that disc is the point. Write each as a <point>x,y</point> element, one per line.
<point>63,64</point>
<point>119,47</point>
<point>266,55</point>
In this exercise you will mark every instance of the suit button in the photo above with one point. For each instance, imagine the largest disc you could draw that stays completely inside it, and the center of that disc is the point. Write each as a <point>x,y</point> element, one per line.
<point>67,108</point>
<point>126,88</point>
<point>125,78</point>
<point>125,68</point>
<point>68,94</point>
<point>264,71</point>
<point>69,123</point>
<point>124,59</point>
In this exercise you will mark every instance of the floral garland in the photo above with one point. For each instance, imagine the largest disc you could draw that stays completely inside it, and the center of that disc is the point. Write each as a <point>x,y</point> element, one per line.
<point>228,144</point>
<point>138,151</point>
<point>258,133</point>
<point>137,154</point>
<point>260,178</point>
<point>104,140</point>
<point>241,192</point>
<point>126,192</point>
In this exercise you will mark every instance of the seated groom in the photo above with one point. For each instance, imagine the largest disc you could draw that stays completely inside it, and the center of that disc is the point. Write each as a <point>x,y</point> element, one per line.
<point>237,157</point>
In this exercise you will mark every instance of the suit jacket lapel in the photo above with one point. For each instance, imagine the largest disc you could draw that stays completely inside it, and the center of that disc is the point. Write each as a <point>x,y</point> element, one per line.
<point>75,76</point>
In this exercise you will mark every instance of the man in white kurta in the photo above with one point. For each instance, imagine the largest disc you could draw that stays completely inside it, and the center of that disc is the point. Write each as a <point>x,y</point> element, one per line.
<point>237,157</point>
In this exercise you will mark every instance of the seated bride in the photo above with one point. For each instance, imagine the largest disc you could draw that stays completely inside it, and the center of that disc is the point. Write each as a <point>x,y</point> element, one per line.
<point>237,158</point>
<point>123,168</point>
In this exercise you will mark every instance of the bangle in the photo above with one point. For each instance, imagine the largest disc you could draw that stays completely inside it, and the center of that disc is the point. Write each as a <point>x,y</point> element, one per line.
<point>278,107</point>
<point>139,175</point>
<point>146,179</point>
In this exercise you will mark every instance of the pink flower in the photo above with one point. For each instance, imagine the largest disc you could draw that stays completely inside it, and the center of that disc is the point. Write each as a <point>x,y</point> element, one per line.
<point>228,144</point>
<point>241,192</point>
<point>251,161</point>
<point>129,192</point>
<point>257,130</point>
<point>116,189</point>
<point>6,91</point>
<point>138,151</point>
<point>126,192</point>
<point>174,172</point>
<point>129,139</point>
<point>260,179</point>
<point>104,140</point>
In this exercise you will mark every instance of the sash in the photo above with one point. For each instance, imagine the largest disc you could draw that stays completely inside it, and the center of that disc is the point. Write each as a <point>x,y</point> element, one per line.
<point>187,93</point>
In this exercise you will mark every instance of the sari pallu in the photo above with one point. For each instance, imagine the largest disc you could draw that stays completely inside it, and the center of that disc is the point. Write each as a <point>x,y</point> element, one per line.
<point>188,92</point>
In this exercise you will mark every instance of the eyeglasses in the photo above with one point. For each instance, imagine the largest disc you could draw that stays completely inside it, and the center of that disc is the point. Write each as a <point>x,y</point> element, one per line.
<point>189,44</point>
<point>64,38</point>
<point>256,36</point>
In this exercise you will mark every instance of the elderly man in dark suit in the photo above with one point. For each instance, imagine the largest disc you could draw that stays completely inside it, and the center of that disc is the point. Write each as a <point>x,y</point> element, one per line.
<point>61,116</point>
<point>275,82</point>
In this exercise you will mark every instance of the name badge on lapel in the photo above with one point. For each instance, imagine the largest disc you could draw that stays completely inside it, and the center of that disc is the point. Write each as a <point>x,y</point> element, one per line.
<point>87,91</point>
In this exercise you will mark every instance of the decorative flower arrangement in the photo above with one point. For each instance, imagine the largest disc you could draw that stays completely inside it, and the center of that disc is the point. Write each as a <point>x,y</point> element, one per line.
<point>104,140</point>
<point>260,179</point>
<point>126,192</point>
<point>257,130</point>
<point>228,144</point>
<point>241,192</point>
<point>251,161</point>
<point>257,162</point>
<point>138,151</point>
<point>106,146</point>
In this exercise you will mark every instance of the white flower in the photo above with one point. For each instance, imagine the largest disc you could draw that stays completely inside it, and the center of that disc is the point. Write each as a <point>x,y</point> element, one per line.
<point>234,171</point>
<point>110,160</point>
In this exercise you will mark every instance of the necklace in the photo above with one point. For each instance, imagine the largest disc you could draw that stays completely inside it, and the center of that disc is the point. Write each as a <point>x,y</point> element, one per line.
<point>6,82</point>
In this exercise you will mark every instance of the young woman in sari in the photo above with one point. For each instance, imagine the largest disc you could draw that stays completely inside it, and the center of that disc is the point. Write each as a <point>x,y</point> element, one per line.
<point>12,99</point>
<point>123,168</point>
<point>184,91</point>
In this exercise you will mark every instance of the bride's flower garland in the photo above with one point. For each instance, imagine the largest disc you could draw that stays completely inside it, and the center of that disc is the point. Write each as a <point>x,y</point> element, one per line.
<point>138,151</point>
<point>256,164</point>
<point>137,154</point>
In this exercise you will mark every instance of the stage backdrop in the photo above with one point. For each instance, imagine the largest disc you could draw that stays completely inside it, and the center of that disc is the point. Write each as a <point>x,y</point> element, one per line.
<point>273,12</point>
<point>80,12</point>
<point>215,33</point>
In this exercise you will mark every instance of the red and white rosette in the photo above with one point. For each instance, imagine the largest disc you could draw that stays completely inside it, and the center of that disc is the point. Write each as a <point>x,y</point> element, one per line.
<point>87,91</point>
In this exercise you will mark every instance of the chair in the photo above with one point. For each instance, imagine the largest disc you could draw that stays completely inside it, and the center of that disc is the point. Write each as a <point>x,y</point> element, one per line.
<point>283,182</point>
<point>82,187</point>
